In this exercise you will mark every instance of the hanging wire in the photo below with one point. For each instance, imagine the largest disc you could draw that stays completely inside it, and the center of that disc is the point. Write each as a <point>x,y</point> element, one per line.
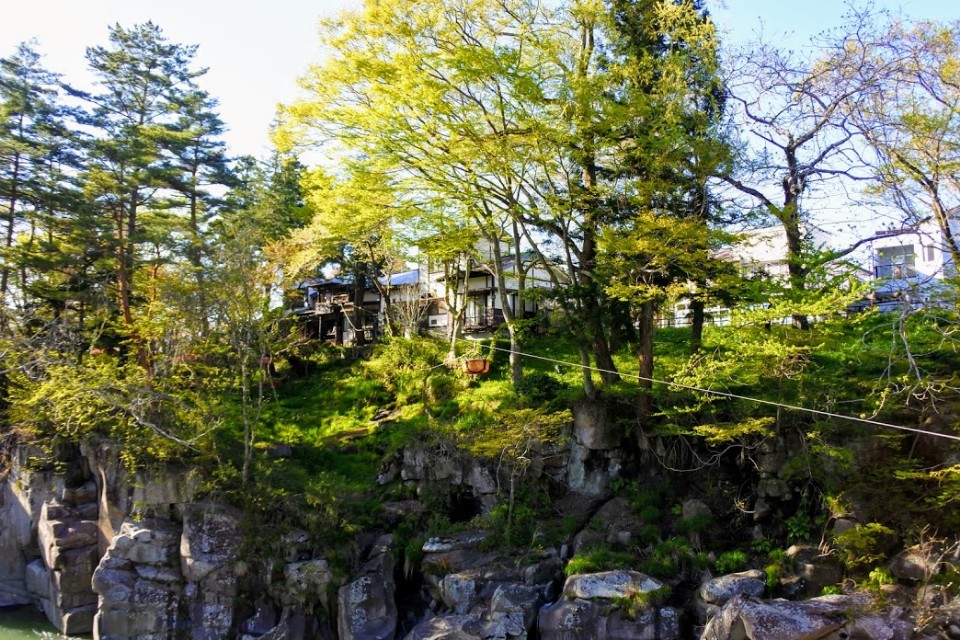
<point>735,396</point>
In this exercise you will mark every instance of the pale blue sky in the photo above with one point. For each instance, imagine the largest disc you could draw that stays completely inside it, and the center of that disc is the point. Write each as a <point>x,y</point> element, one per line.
<point>256,50</point>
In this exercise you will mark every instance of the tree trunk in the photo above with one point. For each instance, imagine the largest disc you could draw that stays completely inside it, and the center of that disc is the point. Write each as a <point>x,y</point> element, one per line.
<point>509,314</point>
<point>697,320</point>
<point>793,185</point>
<point>588,389</point>
<point>359,337</point>
<point>196,256</point>
<point>647,328</point>
<point>11,224</point>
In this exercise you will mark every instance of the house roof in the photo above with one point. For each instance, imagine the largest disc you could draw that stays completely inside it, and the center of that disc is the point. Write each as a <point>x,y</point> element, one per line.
<point>318,282</point>
<point>402,279</point>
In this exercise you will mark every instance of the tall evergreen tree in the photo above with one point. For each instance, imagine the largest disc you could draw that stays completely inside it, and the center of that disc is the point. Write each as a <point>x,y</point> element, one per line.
<point>197,161</point>
<point>142,82</point>
<point>667,53</point>
<point>36,152</point>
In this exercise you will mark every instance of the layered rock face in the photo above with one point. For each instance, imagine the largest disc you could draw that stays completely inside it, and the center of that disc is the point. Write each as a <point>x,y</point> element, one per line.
<point>22,495</point>
<point>67,536</point>
<point>137,557</point>
<point>139,583</point>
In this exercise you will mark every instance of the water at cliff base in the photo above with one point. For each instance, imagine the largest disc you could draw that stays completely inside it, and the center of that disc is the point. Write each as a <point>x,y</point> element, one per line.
<point>26,623</point>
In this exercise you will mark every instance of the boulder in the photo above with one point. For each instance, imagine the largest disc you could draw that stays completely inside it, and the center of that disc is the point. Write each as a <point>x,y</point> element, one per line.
<point>467,540</point>
<point>293,625</point>
<point>367,607</point>
<point>845,616</point>
<point>140,586</point>
<point>209,548</point>
<point>916,564</point>
<point>459,591</point>
<point>613,523</point>
<point>600,620</point>
<point>262,621</point>
<point>816,569</point>
<point>306,581</point>
<point>719,590</point>
<point>609,584</point>
<point>209,542</point>
<point>488,626</point>
<point>606,606</point>
<point>519,599</point>
<point>68,548</point>
<point>593,428</point>
<point>589,471</point>
<point>694,508</point>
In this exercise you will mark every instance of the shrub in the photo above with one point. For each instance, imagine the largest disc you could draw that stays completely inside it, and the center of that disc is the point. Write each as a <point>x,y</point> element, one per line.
<point>776,568</point>
<point>634,604</point>
<point>538,387</point>
<point>864,544</point>
<point>593,559</point>
<point>731,561</point>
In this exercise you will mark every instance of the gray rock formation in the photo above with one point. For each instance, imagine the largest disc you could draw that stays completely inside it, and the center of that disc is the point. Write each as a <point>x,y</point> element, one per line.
<point>140,584</point>
<point>22,495</point>
<point>609,605</point>
<point>209,548</point>
<point>613,523</point>
<point>602,620</point>
<point>67,537</point>
<point>844,616</point>
<point>595,454</point>
<point>918,563</point>
<point>366,607</point>
<point>718,590</point>
<point>475,626</point>
<point>817,570</point>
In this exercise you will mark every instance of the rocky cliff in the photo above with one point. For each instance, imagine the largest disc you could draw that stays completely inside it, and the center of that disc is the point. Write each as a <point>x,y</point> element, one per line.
<point>139,556</point>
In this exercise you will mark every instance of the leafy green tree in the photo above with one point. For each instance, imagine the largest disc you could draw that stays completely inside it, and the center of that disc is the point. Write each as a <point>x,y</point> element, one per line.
<point>357,225</point>
<point>432,94</point>
<point>909,114</point>
<point>36,151</point>
<point>197,164</point>
<point>794,137</point>
<point>142,81</point>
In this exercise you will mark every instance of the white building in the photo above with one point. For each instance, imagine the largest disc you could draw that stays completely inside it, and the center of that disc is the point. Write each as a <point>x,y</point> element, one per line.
<point>484,308</point>
<point>910,265</point>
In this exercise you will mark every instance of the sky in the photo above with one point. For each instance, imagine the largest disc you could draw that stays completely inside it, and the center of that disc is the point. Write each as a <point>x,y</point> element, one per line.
<point>255,50</point>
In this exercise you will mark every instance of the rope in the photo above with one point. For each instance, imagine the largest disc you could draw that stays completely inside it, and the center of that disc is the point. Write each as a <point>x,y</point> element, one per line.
<point>734,396</point>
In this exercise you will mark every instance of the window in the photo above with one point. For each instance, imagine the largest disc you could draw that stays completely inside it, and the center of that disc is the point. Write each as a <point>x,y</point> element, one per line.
<point>896,262</point>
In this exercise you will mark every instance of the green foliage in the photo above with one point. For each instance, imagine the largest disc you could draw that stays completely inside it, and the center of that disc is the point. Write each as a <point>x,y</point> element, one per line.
<point>637,602</point>
<point>670,557</point>
<point>696,524</point>
<point>646,500</point>
<point>877,579</point>
<point>597,558</point>
<point>731,562</point>
<point>514,525</point>
<point>154,423</point>
<point>538,387</point>
<point>727,432</point>
<point>763,545</point>
<point>864,544</point>
<point>799,527</point>
<point>510,432</point>
<point>776,568</point>
<point>404,365</point>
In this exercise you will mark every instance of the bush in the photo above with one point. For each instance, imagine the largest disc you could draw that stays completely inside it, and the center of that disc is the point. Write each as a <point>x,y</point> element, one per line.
<point>594,559</point>
<point>731,562</point>
<point>864,545</point>
<point>538,387</point>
